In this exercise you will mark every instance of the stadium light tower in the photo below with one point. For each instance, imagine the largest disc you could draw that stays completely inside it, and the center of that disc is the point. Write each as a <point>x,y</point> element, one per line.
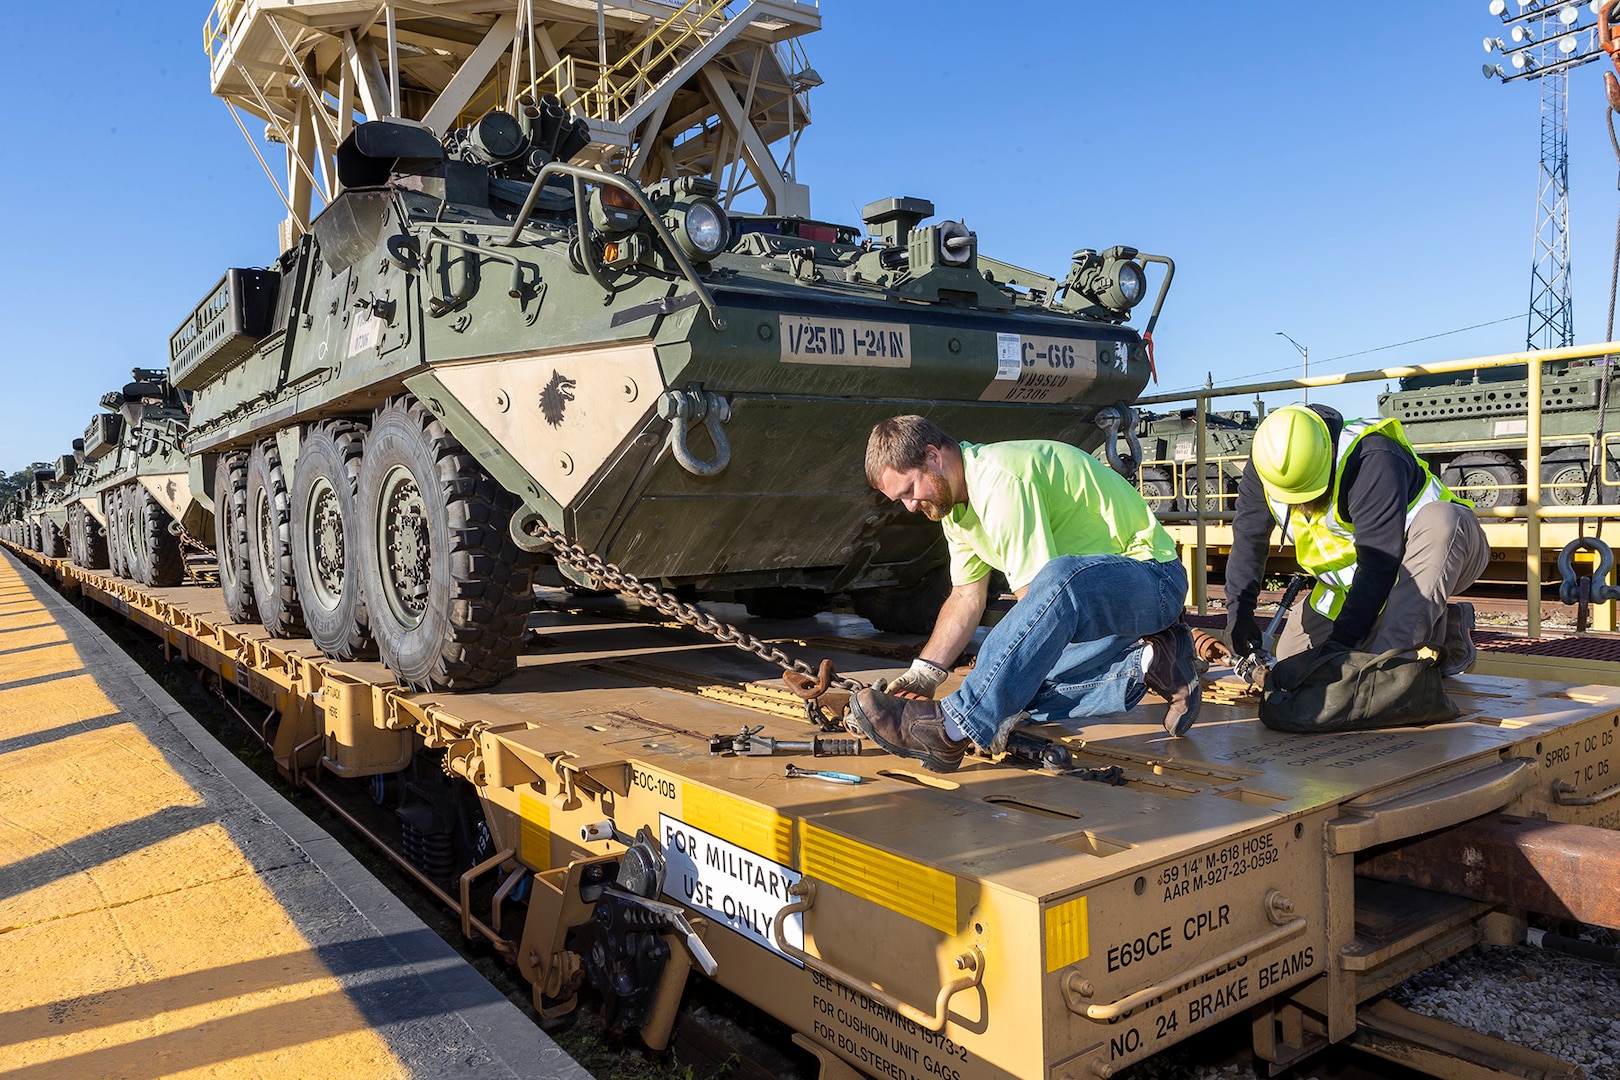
<point>1546,38</point>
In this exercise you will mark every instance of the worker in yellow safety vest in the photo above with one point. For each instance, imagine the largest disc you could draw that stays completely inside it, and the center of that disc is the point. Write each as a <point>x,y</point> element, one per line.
<point>1387,542</point>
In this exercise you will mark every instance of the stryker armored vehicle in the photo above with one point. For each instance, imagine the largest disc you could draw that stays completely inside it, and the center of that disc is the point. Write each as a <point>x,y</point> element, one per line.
<point>130,498</point>
<point>479,349</point>
<point>1471,427</point>
<point>1168,473</point>
<point>17,520</point>
<point>41,512</point>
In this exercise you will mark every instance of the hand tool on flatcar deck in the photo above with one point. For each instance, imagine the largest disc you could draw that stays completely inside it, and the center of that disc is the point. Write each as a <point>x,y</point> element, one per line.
<point>796,773</point>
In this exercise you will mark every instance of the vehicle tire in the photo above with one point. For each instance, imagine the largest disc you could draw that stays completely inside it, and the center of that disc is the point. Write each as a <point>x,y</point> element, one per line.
<point>55,540</point>
<point>94,540</point>
<point>1217,493</point>
<point>117,560</point>
<point>135,567</point>
<point>157,547</point>
<point>447,591</point>
<point>73,547</point>
<point>783,601</point>
<point>1558,473</point>
<point>269,542</point>
<point>85,541</point>
<point>230,537</point>
<point>1490,481</point>
<point>904,609</point>
<point>1158,489</point>
<point>326,540</point>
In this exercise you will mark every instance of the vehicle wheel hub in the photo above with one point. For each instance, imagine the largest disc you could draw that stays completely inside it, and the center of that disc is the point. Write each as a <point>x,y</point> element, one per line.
<point>405,546</point>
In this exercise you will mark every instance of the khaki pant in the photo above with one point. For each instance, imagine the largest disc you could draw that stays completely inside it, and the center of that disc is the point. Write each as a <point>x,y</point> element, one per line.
<point>1446,551</point>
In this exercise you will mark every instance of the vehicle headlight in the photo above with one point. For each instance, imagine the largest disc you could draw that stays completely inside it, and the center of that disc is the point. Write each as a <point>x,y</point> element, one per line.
<point>1132,284</point>
<point>614,211</point>
<point>704,229</point>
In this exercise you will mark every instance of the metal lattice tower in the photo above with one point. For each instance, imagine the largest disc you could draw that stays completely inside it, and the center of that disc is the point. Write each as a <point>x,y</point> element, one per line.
<point>1548,39</point>
<point>668,88</point>
<point>1551,322</point>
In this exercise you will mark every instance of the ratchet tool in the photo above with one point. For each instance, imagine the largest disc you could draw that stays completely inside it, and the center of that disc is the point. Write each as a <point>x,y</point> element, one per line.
<point>794,773</point>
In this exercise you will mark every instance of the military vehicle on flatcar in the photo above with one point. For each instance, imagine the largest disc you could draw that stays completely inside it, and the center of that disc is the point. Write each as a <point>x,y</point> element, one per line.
<point>1471,427</point>
<point>130,499</point>
<point>1167,473</point>
<point>477,343</point>
<point>42,513</point>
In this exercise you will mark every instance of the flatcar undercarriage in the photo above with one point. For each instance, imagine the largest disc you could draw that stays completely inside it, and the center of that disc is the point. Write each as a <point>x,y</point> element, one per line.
<point>653,802</point>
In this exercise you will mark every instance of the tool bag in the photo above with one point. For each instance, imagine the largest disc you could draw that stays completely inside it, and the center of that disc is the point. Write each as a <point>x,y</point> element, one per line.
<point>1333,688</point>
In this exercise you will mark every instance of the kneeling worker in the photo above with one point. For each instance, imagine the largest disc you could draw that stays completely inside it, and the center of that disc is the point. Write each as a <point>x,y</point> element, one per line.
<point>1094,572</point>
<point>1387,542</point>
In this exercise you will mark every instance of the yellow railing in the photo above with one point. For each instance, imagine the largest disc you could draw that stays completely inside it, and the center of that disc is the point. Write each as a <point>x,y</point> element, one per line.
<point>610,93</point>
<point>220,22</point>
<point>1532,510</point>
<point>1182,476</point>
<point>1563,492</point>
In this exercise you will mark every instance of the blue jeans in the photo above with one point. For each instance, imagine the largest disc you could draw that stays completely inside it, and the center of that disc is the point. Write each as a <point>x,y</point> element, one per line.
<point>1071,647</point>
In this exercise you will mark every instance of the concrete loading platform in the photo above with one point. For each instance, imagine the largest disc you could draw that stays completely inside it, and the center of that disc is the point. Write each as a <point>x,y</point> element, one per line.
<point>165,913</point>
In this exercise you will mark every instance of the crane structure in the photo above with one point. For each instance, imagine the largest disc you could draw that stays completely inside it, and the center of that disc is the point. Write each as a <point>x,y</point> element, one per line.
<point>1546,39</point>
<point>667,88</point>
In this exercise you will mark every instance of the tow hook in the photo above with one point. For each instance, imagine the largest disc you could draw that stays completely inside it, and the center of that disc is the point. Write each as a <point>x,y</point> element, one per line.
<point>683,408</point>
<point>1117,420</point>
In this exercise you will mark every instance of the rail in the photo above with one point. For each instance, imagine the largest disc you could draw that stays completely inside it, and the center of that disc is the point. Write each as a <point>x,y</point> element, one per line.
<point>612,91</point>
<point>219,24</point>
<point>1533,511</point>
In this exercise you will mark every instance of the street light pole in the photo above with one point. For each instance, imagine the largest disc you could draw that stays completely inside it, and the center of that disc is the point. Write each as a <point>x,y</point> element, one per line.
<point>1305,354</point>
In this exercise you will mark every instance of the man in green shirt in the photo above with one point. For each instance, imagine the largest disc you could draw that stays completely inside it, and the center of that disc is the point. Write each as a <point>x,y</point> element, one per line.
<point>1099,588</point>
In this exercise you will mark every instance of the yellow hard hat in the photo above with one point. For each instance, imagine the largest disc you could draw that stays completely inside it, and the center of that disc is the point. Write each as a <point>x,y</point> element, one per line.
<point>1293,454</point>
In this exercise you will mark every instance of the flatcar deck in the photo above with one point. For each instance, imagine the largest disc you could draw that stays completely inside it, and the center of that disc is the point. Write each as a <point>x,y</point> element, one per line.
<point>1001,921</point>
<point>164,913</point>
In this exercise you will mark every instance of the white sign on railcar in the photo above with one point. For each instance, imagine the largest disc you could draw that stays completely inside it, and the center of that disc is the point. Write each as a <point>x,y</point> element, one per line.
<point>733,886</point>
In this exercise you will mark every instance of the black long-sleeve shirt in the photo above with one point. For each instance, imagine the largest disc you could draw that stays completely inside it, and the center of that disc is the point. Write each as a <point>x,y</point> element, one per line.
<point>1381,478</point>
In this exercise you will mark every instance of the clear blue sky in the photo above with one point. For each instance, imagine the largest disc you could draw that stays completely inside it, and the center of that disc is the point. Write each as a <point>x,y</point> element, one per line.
<point>1344,175</point>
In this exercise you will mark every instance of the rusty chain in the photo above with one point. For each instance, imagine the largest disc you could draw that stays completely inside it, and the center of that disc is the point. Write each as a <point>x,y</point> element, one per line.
<point>189,542</point>
<point>610,576</point>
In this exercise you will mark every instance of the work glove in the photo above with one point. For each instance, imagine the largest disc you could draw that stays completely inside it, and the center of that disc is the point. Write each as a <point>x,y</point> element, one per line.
<point>919,681</point>
<point>1245,632</point>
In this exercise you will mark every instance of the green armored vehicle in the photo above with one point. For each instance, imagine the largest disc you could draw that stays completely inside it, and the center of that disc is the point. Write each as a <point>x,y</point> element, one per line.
<point>477,343</point>
<point>17,525</point>
<point>1472,425</point>
<point>1168,470</point>
<point>131,498</point>
<point>40,511</point>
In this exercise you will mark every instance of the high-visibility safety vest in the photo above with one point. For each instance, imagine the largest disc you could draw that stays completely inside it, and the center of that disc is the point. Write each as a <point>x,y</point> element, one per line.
<point>1324,543</point>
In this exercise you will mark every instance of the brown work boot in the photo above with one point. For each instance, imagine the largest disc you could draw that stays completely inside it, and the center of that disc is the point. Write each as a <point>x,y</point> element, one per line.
<point>1460,651</point>
<point>908,728</point>
<point>1173,675</point>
